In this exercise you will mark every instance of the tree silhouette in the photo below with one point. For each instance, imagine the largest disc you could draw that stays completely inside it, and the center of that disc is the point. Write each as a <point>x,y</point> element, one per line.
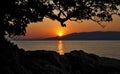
<point>16,14</point>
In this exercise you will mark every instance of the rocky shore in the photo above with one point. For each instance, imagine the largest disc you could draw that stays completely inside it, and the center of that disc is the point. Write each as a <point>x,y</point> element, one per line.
<point>18,61</point>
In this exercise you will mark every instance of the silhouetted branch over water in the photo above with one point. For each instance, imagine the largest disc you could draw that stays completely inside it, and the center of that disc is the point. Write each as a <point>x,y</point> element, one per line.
<point>15,15</point>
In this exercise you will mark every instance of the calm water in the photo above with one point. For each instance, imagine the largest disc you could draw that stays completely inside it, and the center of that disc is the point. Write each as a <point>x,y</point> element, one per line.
<point>101,48</point>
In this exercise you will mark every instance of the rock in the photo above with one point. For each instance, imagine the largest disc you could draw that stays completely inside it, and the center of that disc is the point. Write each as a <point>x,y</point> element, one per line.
<point>92,64</point>
<point>18,61</point>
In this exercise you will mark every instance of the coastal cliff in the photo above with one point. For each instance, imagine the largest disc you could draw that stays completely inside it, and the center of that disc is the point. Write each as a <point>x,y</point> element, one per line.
<point>18,61</point>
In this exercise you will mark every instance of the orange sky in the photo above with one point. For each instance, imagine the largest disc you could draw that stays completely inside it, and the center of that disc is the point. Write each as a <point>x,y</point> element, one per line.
<point>49,28</point>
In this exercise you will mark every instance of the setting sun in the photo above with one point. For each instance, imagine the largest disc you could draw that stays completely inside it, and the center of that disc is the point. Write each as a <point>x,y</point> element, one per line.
<point>60,34</point>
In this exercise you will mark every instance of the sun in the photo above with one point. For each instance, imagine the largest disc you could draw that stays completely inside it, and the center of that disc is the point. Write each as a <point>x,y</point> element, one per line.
<point>60,34</point>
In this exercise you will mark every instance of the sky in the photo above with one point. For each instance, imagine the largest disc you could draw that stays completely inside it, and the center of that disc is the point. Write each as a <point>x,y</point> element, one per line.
<point>50,28</point>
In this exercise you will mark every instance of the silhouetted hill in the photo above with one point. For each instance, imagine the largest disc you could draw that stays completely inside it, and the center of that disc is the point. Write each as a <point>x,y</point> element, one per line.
<point>97,35</point>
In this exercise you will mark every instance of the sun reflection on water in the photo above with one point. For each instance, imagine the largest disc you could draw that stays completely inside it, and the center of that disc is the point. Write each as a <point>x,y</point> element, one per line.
<point>60,47</point>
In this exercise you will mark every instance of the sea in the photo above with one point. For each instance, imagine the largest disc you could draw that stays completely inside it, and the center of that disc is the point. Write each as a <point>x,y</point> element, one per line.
<point>102,48</point>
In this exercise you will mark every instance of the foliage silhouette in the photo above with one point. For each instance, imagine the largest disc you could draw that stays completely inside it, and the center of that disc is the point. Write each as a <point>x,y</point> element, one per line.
<point>15,15</point>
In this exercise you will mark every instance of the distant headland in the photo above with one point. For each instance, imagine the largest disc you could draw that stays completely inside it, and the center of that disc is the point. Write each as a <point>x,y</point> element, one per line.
<point>96,35</point>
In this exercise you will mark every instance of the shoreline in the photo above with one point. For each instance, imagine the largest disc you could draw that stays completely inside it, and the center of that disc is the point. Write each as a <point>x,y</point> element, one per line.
<point>50,62</point>
<point>18,61</point>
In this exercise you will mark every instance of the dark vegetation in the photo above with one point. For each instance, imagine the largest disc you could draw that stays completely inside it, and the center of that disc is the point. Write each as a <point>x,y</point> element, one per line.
<point>15,15</point>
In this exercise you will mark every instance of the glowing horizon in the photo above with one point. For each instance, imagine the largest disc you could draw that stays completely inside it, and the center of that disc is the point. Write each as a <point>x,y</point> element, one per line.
<point>50,28</point>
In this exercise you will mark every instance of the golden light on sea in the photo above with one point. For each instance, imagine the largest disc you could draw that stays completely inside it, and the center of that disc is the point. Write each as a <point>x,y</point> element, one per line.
<point>60,48</point>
